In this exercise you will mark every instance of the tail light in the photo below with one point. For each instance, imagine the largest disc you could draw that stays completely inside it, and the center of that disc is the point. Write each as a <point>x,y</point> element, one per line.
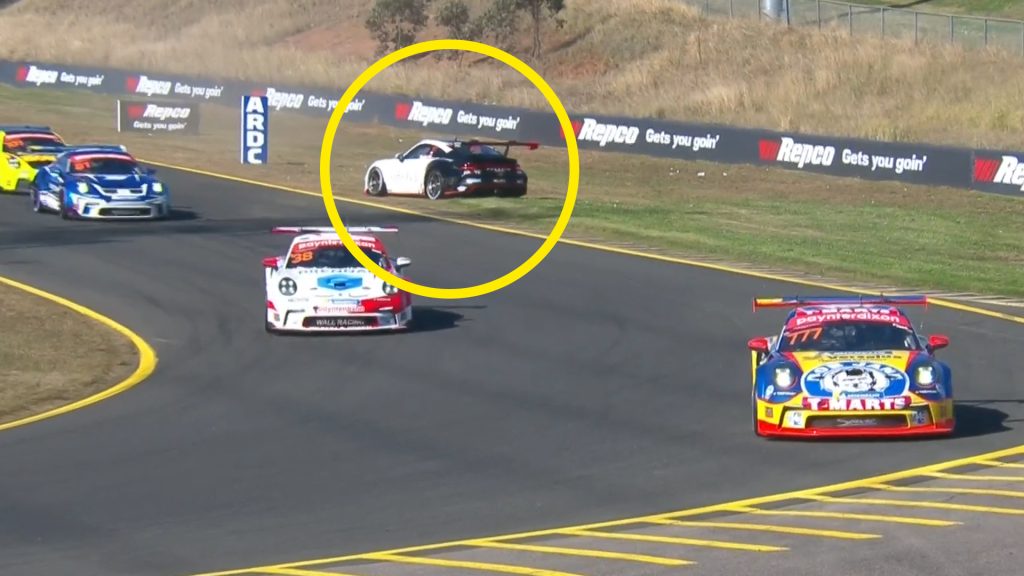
<point>470,167</point>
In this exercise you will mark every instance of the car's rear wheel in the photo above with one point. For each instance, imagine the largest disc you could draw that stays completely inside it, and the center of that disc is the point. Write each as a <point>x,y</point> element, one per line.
<point>65,212</point>
<point>434,184</point>
<point>375,183</point>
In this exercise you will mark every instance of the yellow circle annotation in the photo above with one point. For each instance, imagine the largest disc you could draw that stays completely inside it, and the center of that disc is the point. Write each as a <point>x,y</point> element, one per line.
<point>570,142</point>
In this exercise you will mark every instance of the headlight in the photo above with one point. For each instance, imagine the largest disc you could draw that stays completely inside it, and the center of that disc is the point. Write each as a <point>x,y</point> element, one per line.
<point>784,378</point>
<point>83,188</point>
<point>389,289</point>
<point>157,187</point>
<point>926,376</point>
<point>13,162</point>
<point>287,286</point>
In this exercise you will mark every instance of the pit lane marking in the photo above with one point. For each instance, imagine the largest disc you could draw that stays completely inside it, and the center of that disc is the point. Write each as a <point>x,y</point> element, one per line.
<point>915,504</point>
<point>485,566</point>
<point>949,490</point>
<point>849,516</point>
<point>796,530</point>
<point>586,552</point>
<point>997,463</point>
<point>300,572</point>
<point>974,477</point>
<point>700,542</point>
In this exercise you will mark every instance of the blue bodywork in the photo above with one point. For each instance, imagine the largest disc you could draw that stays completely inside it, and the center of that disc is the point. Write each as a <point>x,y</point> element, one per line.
<point>137,193</point>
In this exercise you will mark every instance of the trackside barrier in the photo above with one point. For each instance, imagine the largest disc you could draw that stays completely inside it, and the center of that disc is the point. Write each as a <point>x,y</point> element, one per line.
<point>993,171</point>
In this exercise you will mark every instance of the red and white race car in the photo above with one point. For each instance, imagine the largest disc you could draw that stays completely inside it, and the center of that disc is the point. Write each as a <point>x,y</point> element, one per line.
<point>319,286</point>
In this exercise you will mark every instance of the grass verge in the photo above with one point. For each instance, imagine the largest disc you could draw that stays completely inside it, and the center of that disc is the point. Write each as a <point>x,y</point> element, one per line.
<point>845,229</point>
<point>35,375</point>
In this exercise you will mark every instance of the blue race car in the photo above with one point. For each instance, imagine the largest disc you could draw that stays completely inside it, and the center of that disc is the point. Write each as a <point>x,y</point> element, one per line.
<point>99,183</point>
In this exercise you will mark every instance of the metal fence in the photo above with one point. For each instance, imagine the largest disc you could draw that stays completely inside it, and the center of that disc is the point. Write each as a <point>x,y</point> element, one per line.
<point>878,21</point>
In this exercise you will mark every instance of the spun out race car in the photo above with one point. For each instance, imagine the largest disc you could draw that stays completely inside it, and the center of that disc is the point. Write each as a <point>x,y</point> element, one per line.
<point>99,183</point>
<point>849,367</point>
<point>25,149</point>
<point>440,168</point>
<point>319,286</point>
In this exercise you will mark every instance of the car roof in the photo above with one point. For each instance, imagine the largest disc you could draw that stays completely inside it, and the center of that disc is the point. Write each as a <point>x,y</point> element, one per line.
<point>809,316</point>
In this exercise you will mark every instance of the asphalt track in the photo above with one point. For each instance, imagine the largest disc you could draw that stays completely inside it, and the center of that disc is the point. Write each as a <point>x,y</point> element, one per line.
<point>600,386</point>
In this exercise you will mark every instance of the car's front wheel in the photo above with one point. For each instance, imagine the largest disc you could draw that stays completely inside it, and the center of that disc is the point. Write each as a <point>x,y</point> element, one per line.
<point>375,183</point>
<point>37,201</point>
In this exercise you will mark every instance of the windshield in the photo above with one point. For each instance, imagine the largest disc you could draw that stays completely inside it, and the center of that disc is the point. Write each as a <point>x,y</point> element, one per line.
<point>849,337</point>
<point>103,165</point>
<point>20,143</point>
<point>330,257</point>
<point>477,150</point>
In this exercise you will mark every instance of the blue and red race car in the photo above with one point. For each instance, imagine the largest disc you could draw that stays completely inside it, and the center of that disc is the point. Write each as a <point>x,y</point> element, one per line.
<point>849,367</point>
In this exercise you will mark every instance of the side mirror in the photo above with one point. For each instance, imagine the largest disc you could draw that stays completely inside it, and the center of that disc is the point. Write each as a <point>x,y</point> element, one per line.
<point>270,262</point>
<point>936,341</point>
<point>400,156</point>
<point>402,262</point>
<point>759,345</point>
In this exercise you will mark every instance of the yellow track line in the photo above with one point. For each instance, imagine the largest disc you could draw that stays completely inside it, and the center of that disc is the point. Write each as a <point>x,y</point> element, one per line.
<point>949,490</point>
<point>487,566</point>
<point>850,516</point>
<point>772,528</point>
<point>675,540</point>
<point>299,572</point>
<point>974,477</point>
<point>999,464</point>
<point>146,364</point>
<point>590,553</point>
<point>919,504</point>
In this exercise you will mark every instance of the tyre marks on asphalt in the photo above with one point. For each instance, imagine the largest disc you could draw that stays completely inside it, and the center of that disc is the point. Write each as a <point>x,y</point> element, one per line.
<point>888,512</point>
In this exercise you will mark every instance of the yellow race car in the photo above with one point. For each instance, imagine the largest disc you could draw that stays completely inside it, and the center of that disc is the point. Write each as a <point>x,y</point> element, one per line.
<point>25,149</point>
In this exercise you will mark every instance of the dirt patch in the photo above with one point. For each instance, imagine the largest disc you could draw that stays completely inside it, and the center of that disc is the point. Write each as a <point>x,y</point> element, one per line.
<point>35,372</point>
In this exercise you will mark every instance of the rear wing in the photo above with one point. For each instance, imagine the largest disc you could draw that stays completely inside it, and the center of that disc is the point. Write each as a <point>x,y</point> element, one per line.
<point>508,144</point>
<point>880,300</point>
<point>328,229</point>
<point>96,147</point>
<point>24,128</point>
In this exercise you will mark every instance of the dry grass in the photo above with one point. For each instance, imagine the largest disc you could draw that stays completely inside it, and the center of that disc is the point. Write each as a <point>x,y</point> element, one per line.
<point>643,57</point>
<point>35,375</point>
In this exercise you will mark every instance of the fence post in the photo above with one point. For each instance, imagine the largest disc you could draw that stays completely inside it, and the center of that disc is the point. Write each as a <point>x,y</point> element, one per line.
<point>986,32</point>
<point>916,26</point>
<point>883,22</point>
<point>731,13</point>
<point>819,15</point>
<point>707,7</point>
<point>952,31</point>
<point>851,18</point>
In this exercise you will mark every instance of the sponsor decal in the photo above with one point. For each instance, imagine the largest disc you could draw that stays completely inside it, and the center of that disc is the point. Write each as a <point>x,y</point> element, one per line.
<point>142,116</point>
<point>818,316</point>
<point>1008,170</point>
<point>423,114</point>
<point>339,282</point>
<point>38,76</point>
<point>877,162</point>
<point>857,404</point>
<point>593,131</point>
<point>254,130</point>
<point>338,309</point>
<point>684,141</point>
<point>789,151</point>
<point>149,86</point>
<point>855,379</point>
<point>204,92</point>
<point>329,104</point>
<point>481,121</point>
<point>279,100</point>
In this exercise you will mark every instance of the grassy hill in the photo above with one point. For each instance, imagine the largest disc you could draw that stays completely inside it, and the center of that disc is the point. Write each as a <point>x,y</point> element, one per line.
<point>654,58</point>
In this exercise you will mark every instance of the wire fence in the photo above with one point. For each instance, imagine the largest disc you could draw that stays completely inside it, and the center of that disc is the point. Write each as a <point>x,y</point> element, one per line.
<point>878,21</point>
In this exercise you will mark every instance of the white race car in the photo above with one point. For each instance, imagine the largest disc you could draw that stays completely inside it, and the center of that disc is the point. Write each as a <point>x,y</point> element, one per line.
<point>438,168</point>
<point>319,286</point>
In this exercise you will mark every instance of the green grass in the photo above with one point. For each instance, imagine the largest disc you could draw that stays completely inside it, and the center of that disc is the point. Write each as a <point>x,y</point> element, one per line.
<point>850,230</point>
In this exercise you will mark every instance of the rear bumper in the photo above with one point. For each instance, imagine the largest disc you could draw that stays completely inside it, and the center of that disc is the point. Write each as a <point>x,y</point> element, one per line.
<point>469,185</point>
<point>302,321</point>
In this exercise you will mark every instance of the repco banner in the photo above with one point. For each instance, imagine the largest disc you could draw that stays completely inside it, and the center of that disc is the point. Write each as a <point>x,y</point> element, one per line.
<point>157,117</point>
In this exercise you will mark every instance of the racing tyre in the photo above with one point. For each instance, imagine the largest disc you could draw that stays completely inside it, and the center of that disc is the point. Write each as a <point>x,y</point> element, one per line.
<point>37,204</point>
<point>433,185</point>
<point>65,213</point>
<point>375,184</point>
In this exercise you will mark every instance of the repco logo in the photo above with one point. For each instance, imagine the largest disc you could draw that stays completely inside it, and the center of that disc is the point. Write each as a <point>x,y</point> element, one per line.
<point>594,131</point>
<point>792,152</point>
<point>35,75</point>
<point>278,100</point>
<point>1009,170</point>
<point>423,114</point>
<point>148,86</point>
<point>165,112</point>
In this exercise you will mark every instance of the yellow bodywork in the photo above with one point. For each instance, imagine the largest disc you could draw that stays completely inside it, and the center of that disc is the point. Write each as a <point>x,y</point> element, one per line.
<point>17,170</point>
